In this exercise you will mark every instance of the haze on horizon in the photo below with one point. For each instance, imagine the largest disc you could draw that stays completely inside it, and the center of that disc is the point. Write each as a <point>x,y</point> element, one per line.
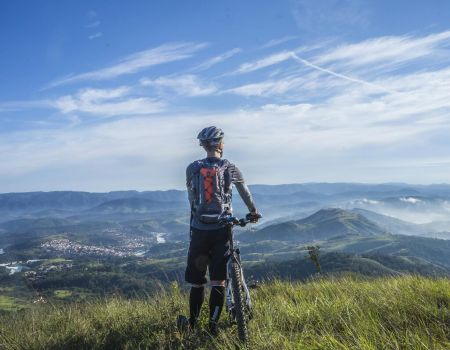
<point>102,96</point>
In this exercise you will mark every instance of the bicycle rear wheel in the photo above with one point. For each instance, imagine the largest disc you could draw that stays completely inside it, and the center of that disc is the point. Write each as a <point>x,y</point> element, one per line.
<point>239,301</point>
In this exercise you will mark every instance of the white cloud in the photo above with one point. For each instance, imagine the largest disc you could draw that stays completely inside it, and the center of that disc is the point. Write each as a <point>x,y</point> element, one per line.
<point>279,41</point>
<point>329,140</point>
<point>410,200</point>
<point>134,152</point>
<point>391,49</point>
<point>267,88</point>
<point>136,62</point>
<point>107,103</point>
<point>368,201</point>
<point>264,62</point>
<point>372,58</point>
<point>341,120</point>
<point>217,59</point>
<point>297,86</point>
<point>186,85</point>
<point>95,36</point>
<point>339,75</point>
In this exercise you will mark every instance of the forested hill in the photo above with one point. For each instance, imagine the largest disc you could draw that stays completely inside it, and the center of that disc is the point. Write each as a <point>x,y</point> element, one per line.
<point>322,225</point>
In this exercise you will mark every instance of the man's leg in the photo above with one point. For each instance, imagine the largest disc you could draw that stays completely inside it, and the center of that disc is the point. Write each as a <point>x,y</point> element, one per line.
<point>218,275</point>
<point>216,301</point>
<point>196,298</point>
<point>195,273</point>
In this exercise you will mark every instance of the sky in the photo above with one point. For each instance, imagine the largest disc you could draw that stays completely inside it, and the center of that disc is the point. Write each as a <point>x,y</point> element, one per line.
<point>110,95</point>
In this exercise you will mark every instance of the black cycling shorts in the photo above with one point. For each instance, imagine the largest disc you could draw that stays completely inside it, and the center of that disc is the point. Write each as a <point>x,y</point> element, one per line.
<point>208,249</point>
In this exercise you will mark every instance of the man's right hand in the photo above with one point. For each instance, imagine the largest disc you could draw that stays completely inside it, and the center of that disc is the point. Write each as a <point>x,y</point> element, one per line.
<point>253,216</point>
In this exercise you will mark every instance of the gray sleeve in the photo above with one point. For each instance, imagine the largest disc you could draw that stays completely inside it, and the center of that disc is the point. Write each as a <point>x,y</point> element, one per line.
<point>246,196</point>
<point>238,180</point>
<point>235,173</point>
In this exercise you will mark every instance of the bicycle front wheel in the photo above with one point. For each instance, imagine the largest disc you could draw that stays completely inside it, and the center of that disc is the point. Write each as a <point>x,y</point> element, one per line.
<point>239,301</point>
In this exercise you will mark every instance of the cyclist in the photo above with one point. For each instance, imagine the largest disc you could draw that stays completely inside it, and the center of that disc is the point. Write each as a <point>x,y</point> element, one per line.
<point>209,183</point>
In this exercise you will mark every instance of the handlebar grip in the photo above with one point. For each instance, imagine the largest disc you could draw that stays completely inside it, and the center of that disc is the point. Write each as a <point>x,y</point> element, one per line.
<point>253,217</point>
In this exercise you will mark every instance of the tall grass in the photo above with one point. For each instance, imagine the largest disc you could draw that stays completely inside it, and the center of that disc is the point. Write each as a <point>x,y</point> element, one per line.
<point>328,313</point>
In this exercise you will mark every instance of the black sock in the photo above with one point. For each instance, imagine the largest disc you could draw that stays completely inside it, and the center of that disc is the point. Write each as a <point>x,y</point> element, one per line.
<point>196,298</point>
<point>216,300</point>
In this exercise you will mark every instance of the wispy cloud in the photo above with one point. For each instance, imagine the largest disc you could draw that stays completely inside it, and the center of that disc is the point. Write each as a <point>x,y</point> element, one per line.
<point>186,85</point>
<point>390,49</point>
<point>373,57</point>
<point>217,59</point>
<point>320,136</point>
<point>136,62</point>
<point>295,81</point>
<point>107,103</point>
<point>264,62</point>
<point>337,109</point>
<point>95,36</point>
<point>339,75</point>
<point>271,87</point>
<point>279,41</point>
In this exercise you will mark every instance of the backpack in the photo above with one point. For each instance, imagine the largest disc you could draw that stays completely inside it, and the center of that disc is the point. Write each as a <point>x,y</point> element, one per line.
<point>212,188</point>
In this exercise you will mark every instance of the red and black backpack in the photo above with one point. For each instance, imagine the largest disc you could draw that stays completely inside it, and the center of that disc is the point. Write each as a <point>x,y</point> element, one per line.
<point>212,188</point>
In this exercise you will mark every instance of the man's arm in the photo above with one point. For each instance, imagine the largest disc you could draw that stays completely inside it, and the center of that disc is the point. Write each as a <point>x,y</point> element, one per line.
<point>246,196</point>
<point>238,180</point>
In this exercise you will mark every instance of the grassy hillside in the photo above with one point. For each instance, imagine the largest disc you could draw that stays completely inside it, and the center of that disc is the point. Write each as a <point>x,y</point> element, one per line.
<point>344,313</point>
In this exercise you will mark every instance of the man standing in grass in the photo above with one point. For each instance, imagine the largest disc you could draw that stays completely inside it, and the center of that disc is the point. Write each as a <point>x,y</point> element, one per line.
<point>209,183</point>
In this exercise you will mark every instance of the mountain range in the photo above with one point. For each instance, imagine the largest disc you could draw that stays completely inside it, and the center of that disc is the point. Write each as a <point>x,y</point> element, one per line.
<point>399,221</point>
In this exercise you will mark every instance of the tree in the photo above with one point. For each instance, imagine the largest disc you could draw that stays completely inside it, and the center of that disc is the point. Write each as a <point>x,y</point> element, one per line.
<point>313,251</point>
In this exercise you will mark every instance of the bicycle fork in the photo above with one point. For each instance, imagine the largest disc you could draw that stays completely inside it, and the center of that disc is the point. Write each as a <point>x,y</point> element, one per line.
<point>236,258</point>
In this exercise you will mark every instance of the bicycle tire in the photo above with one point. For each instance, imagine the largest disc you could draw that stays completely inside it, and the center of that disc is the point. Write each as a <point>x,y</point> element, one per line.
<point>239,306</point>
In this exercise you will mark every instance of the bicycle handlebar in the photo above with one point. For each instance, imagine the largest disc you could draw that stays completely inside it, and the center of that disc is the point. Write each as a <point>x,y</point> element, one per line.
<point>233,220</point>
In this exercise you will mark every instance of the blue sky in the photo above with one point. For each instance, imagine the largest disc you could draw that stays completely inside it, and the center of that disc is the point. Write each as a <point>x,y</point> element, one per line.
<point>110,95</point>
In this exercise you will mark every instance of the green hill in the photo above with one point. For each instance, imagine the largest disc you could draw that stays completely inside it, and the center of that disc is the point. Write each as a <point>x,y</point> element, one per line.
<point>344,313</point>
<point>432,250</point>
<point>301,268</point>
<point>322,225</point>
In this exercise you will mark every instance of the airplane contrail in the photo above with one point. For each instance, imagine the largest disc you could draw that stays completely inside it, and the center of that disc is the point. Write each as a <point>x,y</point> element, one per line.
<point>338,75</point>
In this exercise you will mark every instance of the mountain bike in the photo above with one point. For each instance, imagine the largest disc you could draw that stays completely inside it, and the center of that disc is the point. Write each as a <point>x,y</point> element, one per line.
<point>238,301</point>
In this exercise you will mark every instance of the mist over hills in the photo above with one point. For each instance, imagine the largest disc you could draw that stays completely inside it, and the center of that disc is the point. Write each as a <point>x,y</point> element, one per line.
<point>404,201</point>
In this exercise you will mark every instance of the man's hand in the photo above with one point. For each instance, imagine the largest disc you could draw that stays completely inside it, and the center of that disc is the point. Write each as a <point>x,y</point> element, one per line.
<point>254,216</point>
